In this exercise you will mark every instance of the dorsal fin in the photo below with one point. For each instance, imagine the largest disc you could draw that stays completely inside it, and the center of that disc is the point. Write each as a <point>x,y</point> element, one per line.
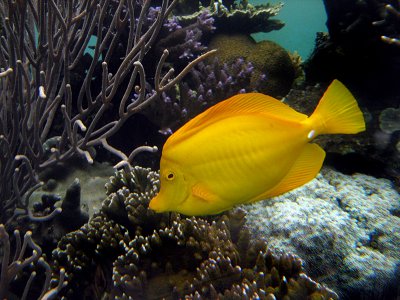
<point>249,103</point>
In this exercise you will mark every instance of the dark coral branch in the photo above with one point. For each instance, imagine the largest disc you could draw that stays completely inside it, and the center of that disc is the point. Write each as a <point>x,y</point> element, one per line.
<point>49,85</point>
<point>21,260</point>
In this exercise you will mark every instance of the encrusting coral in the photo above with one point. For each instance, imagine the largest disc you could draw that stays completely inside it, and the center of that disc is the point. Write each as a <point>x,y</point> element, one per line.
<point>343,228</point>
<point>126,251</point>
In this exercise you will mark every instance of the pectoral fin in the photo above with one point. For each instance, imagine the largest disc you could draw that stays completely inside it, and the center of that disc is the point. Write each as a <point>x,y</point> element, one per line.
<point>201,192</point>
<point>304,169</point>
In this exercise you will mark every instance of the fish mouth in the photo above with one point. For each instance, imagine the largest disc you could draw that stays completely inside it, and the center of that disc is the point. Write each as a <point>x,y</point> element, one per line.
<point>156,204</point>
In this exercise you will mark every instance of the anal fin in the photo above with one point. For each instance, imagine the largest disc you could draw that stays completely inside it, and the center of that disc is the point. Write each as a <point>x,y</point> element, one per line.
<point>304,169</point>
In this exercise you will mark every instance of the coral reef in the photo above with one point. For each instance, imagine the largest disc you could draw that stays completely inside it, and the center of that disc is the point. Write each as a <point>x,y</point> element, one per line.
<point>232,47</point>
<point>184,42</point>
<point>270,61</point>
<point>61,99</point>
<point>187,35</point>
<point>337,218</point>
<point>208,84</point>
<point>127,251</point>
<point>58,101</point>
<point>244,18</point>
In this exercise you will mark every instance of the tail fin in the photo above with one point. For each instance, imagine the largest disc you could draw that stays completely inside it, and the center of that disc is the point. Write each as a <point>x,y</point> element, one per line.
<point>338,111</point>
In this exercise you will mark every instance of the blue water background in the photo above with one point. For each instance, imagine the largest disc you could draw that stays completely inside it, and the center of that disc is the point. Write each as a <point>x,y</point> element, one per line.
<point>303,19</point>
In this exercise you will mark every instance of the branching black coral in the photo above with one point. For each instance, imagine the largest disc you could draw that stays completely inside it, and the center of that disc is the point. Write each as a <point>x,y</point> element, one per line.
<point>27,257</point>
<point>55,97</point>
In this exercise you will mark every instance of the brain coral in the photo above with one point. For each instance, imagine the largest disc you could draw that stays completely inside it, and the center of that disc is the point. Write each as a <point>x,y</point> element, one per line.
<point>271,59</point>
<point>128,252</point>
<point>268,59</point>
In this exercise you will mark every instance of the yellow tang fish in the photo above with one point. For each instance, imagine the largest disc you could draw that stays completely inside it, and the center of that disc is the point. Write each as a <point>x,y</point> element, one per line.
<point>248,148</point>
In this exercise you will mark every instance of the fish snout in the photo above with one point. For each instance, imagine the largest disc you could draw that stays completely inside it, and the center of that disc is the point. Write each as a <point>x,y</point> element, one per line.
<point>156,204</point>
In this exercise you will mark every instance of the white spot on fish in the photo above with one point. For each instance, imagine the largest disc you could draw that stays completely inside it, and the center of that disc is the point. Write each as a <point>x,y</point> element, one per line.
<point>311,134</point>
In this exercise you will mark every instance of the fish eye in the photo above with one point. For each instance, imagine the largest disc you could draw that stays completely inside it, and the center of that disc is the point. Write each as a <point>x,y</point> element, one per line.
<point>170,176</point>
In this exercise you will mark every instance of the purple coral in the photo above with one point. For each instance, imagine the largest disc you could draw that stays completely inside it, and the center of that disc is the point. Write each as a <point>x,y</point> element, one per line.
<point>172,24</point>
<point>192,43</point>
<point>184,42</point>
<point>205,19</point>
<point>207,85</point>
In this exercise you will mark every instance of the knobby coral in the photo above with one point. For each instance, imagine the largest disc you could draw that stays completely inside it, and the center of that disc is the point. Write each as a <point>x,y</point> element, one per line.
<point>128,251</point>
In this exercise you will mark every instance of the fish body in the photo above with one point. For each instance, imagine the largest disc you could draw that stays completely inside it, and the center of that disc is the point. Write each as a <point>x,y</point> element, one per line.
<point>248,148</point>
